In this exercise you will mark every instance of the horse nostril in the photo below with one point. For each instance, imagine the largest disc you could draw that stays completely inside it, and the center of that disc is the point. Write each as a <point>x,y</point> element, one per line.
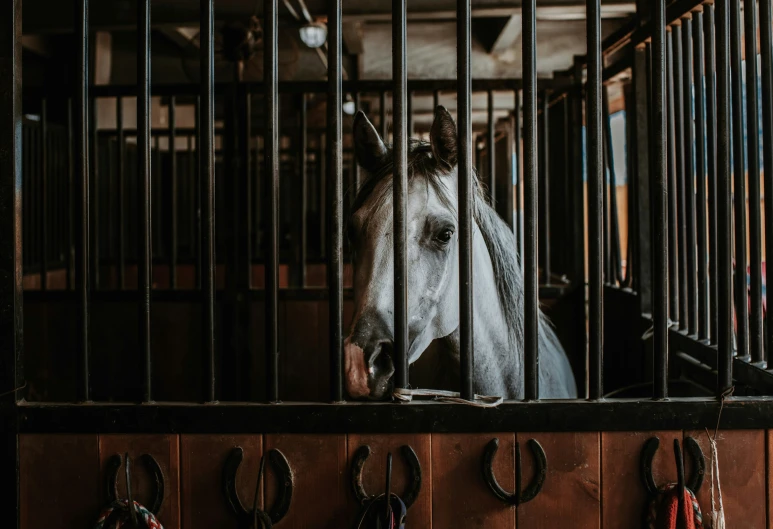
<point>381,363</point>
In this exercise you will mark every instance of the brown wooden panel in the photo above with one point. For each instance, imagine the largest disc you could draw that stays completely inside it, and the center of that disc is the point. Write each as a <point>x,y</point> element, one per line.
<point>769,440</point>
<point>742,476</point>
<point>460,497</point>
<point>374,477</point>
<point>202,504</point>
<point>165,449</point>
<point>624,498</point>
<point>571,489</point>
<point>60,481</point>
<point>318,463</point>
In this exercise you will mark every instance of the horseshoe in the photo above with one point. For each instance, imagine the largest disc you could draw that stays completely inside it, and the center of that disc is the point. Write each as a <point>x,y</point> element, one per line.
<point>532,489</point>
<point>285,483</point>
<point>411,491</point>
<point>111,483</point>
<point>691,447</point>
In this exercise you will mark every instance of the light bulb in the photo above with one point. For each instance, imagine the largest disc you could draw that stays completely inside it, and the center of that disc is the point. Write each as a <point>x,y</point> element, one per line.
<point>313,35</point>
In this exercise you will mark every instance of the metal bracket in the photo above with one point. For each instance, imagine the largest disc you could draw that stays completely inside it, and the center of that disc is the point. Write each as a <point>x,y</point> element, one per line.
<point>411,491</point>
<point>285,483</point>
<point>518,497</point>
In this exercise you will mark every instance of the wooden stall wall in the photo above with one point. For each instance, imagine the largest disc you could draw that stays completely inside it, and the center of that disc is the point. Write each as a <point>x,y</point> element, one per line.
<point>593,480</point>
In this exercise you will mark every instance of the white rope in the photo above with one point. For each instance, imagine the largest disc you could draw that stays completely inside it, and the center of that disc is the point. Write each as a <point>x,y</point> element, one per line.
<point>481,401</point>
<point>717,514</point>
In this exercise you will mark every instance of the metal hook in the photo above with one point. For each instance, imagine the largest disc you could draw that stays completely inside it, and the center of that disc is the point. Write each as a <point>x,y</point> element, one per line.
<point>285,482</point>
<point>413,487</point>
<point>518,497</point>
<point>114,464</point>
<point>691,447</point>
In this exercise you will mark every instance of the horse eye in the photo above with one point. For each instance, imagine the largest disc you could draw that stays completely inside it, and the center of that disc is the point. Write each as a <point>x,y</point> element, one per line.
<point>445,236</point>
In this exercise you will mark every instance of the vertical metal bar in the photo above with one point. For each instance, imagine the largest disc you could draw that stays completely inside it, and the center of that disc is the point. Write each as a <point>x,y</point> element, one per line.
<point>305,187</point>
<point>531,283</point>
<point>595,179</point>
<point>409,118</point>
<point>689,173</point>
<point>400,189</point>
<point>673,230</point>
<point>192,194</point>
<point>545,170</point>
<point>11,262</point>
<point>205,144</point>
<point>700,171</point>
<point>335,196</point>
<point>711,156</point>
<point>271,80</point>
<point>724,246</point>
<point>753,173</point>
<point>323,195</point>
<point>198,178</point>
<point>435,99</point>
<point>44,195</point>
<point>466,197</point>
<point>121,197</point>
<point>509,187</point>
<point>492,148</point>
<point>739,181</point>
<point>156,210</point>
<point>518,176</point>
<point>11,316</point>
<point>660,197</point>
<point>70,264</point>
<point>81,149</point>
<point>680,174</point>
<point>94,152</point>
<point>643,211</point>
<point>145,275</point>
<point>174,191</point>
<point>766,52</point>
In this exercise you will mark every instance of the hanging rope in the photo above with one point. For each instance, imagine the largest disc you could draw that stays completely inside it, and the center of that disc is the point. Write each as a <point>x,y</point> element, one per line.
<point>663,510</point>
<point>717,508</point>
<point>119,511</point>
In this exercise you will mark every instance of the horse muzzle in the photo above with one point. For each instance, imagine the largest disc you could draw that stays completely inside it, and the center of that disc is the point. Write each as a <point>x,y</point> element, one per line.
<point>368,369</point>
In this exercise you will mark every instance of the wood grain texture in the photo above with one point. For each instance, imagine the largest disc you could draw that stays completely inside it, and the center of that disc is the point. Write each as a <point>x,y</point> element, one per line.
<point>60,483</point>
<point>460,497</point>
<point>373,474</point>
<point>166,450</point>
<point>742,477</point>
<point>202,457</point>
<point>571,489</point>
<point>318,463</point>
<point>623,496</point>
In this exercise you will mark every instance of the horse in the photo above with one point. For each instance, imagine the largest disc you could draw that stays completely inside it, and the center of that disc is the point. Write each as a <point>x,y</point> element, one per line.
<point>433,275</point>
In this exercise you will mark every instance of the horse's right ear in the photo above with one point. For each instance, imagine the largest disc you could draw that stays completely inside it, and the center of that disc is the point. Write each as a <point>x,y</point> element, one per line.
<point>444,138</point>
<point>368,145</point>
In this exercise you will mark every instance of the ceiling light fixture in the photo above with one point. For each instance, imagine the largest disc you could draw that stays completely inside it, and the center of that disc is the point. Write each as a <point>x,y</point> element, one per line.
<point>313,34</point>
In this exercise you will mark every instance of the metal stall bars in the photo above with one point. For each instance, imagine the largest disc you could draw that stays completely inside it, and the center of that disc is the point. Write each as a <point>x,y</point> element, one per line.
<point>466,195</point>
<point>724,251</point>
<point>205,143</point>
<point>595,186</point>
<point>335,199</point>
<point>753,173</point>
<point>766,53</point>
<point>145,276</point>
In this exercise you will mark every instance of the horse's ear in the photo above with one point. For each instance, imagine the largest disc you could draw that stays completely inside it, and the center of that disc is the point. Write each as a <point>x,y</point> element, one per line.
<point>368,145</point>
<point>444,138</point>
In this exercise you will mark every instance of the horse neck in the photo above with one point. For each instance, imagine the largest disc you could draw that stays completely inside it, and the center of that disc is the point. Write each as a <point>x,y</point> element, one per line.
<point>494,366</point>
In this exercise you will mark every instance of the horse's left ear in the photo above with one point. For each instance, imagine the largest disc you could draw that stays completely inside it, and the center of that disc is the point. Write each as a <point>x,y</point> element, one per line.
<point>444,138</point>
<point>368,145</point>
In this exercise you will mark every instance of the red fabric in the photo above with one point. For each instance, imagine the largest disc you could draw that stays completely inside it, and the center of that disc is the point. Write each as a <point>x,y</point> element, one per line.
<point>669,516</point>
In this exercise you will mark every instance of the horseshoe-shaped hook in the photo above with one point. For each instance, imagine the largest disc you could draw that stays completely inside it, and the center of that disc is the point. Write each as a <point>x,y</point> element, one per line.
<point>534,487</point>
<point>285,482</point>
<point>411,491</point>
<point>690,446</point>
<point>111,482</point>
